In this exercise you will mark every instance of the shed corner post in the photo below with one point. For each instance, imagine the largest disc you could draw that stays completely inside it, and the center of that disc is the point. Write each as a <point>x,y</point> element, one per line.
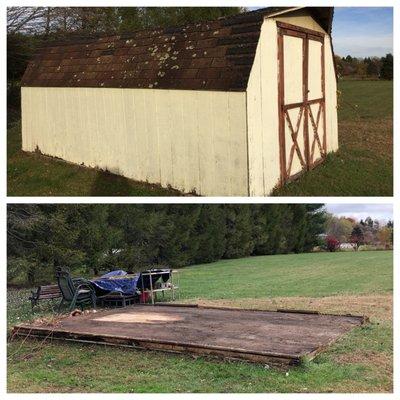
<point>281,116</point>
<point>247,144</point>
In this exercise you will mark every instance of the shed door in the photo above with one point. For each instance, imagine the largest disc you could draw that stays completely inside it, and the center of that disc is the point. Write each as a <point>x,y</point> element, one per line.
<point>302,132</point>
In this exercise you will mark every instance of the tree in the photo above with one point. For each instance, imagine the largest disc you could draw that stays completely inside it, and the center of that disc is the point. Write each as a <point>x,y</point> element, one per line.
<point>357,237</point>
<point>385,236</point>
<point>340,228</point>
<point>316,218</point>
<point>41,239</point>
<point>238,236</point>
<point>210,232</point>
<point>94,238</point>
<point>181,240</point>
<point>373,66</point>
<point>387,67</point>
<point>268,228</point>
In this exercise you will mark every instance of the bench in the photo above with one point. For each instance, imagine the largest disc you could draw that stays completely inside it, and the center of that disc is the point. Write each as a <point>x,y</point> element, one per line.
<point>46,292</point>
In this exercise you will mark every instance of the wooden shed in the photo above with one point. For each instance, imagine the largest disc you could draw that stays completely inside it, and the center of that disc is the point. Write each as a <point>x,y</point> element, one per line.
<point>235,106</point>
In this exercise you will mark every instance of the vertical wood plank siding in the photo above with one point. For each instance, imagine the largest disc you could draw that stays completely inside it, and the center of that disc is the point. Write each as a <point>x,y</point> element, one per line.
<point>262,114</point>
<point>191,140</point>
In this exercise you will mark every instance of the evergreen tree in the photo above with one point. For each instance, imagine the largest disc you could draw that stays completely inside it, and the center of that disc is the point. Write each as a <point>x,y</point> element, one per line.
<point>210,233</point>
<point>41,237</point>
<point>239,242</point>
<point>96,238</point>
<point>269,228</point>
<point>316,218</point>
<point>180,245</point>
<point>92,238</point>
<point>387,67</point>
<point>297,228</point>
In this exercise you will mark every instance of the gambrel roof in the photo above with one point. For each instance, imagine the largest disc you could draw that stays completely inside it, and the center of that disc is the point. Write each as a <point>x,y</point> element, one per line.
<point>215,55</point>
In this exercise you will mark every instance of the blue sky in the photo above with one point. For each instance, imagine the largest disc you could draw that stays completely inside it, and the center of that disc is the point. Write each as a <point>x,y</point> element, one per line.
<point>363,31</point>
<point>361,211</point>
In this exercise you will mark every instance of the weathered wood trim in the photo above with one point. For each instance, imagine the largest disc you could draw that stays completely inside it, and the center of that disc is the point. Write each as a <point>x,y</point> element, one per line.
<point>275,359</point>
<point>296,28</point>
<point>281,101</point>
<point>324,97</point>
<point>285,29</point>
<point>305,100</point>
<point>295,146</point>
<point>288,32</point>
<point>363,318</point>
<point>300,104</point>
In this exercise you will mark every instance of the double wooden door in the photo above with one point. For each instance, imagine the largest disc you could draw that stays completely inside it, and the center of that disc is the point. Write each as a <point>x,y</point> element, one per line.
<point>301,97</point>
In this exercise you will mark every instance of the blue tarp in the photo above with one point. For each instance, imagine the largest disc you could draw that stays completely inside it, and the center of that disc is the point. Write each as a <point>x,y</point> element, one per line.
<point>118,272</point>
<point>126,286</point>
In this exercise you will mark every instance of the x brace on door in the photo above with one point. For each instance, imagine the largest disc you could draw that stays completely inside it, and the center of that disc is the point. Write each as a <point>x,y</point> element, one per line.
<point>308,160</point>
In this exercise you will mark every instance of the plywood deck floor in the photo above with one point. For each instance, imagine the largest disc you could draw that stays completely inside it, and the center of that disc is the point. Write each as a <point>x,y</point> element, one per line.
<point>276,338</point>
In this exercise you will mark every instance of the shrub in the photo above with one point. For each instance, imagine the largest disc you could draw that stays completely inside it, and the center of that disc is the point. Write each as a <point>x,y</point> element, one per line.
<point>332,244</point>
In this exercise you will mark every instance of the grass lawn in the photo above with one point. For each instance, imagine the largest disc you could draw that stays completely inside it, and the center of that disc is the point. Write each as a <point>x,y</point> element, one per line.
<point>358,283</point>
<point>361,167</point>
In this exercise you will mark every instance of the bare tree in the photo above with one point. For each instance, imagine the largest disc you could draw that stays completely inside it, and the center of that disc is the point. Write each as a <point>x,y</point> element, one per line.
<point>25,19</point>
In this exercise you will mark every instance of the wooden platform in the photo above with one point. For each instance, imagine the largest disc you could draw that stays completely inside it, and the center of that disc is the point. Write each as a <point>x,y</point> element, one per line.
<point>275,338</point>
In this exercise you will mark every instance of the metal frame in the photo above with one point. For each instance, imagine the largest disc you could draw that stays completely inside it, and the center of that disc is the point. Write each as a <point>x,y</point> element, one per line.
<point>305,112</point>
<point>153,292</point>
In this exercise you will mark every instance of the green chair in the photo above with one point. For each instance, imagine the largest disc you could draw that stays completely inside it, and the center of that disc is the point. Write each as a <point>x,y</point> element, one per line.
<point>75,292</point>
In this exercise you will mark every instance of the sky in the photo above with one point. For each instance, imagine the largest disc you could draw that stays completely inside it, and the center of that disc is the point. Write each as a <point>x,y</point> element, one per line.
<point>363,31</point>
<point>361,211</point>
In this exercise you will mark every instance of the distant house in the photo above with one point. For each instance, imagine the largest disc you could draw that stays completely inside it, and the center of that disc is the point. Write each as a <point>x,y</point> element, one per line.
<point>234,106</point>
<point>346,246</point>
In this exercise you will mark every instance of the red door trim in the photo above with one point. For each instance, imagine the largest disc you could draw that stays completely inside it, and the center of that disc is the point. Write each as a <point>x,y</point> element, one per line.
<point>305,111</point>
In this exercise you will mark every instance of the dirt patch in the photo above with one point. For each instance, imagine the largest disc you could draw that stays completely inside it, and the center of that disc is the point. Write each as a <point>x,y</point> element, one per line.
<point>376,307</point>
<point>381,361</point>
<point>140,318</point>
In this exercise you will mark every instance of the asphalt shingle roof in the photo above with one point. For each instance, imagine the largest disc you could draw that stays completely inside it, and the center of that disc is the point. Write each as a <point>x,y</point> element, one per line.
<point>215,55</point>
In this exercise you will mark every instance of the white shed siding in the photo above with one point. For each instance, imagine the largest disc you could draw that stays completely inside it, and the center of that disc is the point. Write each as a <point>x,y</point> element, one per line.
<point>332,136</point>
<point>262,100</point>
<point>262,114</point>
<point>191,140</point>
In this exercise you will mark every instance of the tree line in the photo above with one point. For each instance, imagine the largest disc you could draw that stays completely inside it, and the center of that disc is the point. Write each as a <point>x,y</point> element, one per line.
<point>348,231</point>
<point>365,68</point>
<point>95,238</point>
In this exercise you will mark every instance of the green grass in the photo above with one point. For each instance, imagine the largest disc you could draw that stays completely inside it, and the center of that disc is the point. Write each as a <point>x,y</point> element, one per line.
<point>309,274</point>
<point>359,362</point>
<point>76,368</point>
<point>363,165</point>
<point>365,100</point>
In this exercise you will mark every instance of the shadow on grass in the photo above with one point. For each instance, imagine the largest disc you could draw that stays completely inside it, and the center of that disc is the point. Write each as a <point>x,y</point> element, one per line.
<point>108,184</point>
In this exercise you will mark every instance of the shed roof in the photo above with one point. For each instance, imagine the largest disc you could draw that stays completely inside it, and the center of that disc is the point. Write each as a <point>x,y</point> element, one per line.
<point>215,55</point>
